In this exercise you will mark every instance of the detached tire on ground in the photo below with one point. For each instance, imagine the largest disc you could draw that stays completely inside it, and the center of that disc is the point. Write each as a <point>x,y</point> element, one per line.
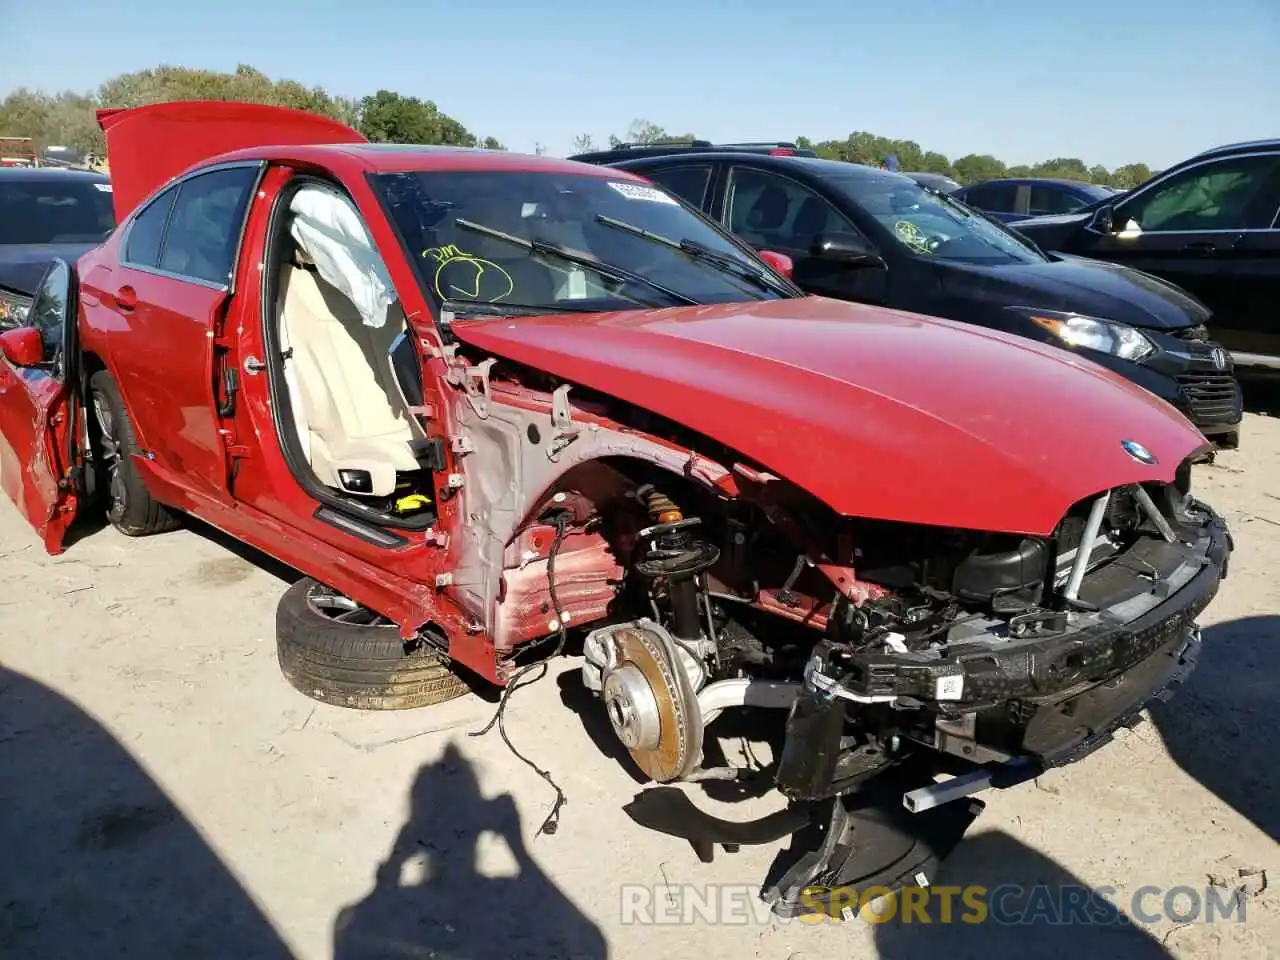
<point>336,651</point>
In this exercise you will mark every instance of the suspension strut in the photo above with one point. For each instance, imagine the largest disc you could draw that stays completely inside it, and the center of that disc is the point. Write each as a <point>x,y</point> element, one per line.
<point>675,557</point>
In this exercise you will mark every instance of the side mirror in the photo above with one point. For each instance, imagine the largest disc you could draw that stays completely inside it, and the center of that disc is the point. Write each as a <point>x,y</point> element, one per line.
<point>845,248</point>
<point>23,346</point>
<point>780,262</point>
<point>1104,219</point>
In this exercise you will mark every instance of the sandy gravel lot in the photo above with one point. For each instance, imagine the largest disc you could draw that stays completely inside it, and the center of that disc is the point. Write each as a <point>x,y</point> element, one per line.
<point>164,793</point>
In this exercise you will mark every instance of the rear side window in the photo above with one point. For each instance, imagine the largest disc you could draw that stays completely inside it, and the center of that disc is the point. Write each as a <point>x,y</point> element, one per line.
<point>996,197</point>
<point>204,230</point>
<point>142,247</point>
<point>688,182</point>
<point>1048,199</point>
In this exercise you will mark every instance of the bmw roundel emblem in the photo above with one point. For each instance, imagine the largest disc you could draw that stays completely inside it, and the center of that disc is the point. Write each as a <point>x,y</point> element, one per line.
<point>1140,453</point>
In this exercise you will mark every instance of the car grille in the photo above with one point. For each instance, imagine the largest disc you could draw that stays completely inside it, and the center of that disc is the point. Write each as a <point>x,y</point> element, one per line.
<point>1193,333</point>
<point>1211,397</point>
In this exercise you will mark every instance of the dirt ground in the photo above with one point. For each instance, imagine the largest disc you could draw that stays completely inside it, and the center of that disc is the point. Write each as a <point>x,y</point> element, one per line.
<point>164,792</point>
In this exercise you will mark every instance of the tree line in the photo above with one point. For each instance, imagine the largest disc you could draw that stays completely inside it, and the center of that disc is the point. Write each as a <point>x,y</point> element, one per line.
<point>67,119</point>
<point>870,149</point>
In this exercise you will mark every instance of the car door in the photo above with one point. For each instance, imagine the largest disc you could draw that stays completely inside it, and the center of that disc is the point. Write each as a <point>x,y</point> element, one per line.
<point>40,410</point>
<point>1255,339</point>
<point>771,211</point>
<point>1204,228</point>
<point>997,199</point>
<point>171,290</point>
<point>1051,199</point>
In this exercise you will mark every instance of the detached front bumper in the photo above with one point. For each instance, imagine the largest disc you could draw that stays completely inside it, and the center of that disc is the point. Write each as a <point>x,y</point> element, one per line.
<point>1051,699</point>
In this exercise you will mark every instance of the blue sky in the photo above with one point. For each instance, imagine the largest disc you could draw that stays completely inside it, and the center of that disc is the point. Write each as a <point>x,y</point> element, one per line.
<point>1109,82</point>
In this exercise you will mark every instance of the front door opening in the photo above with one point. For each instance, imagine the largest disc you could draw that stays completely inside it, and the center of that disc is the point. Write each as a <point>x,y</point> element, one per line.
<point>345,377</point>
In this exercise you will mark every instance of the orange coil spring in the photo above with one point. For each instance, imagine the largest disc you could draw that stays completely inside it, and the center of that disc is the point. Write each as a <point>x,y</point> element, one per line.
<point>661,507</point>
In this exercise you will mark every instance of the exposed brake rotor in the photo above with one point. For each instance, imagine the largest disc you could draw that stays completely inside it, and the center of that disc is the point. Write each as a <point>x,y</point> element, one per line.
<point>652,706</point>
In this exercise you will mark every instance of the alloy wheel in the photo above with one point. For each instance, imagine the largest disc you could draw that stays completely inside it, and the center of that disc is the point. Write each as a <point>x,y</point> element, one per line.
<point>112,458</point>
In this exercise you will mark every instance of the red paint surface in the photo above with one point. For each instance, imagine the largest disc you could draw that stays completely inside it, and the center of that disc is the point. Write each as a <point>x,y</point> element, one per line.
<point>148,146</point>
<point>22,347</point>
<point>588,577</point>
<point>876,412</point>
<point>33,441</point>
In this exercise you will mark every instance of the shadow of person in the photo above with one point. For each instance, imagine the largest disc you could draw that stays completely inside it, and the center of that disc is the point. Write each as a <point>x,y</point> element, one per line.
<point>95,860</point>
<point>1034,908</point>
<point>430,899</point>
<point>1220,726</point>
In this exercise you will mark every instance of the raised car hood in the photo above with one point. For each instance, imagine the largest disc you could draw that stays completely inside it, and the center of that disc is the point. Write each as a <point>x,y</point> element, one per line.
<point>876,412</point>
<point>147,146</point>
<point>1090,287</point>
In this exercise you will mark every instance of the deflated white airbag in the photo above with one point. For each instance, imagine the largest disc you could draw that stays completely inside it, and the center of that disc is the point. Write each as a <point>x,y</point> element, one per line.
<point>328,229</point>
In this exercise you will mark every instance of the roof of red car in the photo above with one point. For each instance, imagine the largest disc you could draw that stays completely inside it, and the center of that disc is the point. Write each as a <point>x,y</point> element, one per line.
<point>397,157</point>
<point>147,146</point>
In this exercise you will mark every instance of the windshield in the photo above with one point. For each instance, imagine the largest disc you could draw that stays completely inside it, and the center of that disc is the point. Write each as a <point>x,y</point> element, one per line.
<point>47,209</point>
<point>530,239</point>
<point>933,225</point>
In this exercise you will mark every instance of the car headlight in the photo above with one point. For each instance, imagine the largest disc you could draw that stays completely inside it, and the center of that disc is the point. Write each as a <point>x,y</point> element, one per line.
<point>1092,333</point>
<point>14,308</point>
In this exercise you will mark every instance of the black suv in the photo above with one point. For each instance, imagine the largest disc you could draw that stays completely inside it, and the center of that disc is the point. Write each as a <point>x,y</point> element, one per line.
<point>858,233</point>
<point>666,148</point>
<point>1211,225</point>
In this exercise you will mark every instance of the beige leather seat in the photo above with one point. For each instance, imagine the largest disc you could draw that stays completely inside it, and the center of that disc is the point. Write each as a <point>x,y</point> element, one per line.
<point>348,408</point>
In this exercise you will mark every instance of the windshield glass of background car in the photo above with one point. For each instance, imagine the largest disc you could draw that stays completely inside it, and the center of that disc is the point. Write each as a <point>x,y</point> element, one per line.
<point>457,263</point>
<point>934,226</point>
<point>48,210</point>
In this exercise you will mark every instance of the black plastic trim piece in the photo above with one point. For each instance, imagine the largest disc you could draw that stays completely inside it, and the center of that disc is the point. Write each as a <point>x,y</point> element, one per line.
<point>1056,664</point>
<point>367,532</point>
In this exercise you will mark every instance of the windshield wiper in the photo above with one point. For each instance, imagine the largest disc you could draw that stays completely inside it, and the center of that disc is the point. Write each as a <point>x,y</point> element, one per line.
<point>542,248</point>
<point>502,308</point>
<point>701,253</point>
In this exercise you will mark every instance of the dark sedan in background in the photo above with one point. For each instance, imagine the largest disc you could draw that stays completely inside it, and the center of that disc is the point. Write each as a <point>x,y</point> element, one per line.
<point>858,233</point>
<point>1012,199</point>
<point>1211,225</point>
<point>46,213</point>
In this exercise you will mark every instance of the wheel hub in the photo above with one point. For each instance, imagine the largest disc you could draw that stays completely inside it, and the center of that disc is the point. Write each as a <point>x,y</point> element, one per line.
<point>652,706</point>
<point>632,708</point>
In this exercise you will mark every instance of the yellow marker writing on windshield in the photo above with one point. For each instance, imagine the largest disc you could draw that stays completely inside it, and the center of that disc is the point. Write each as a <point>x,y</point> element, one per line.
<point>912,236</point>
<point>461,274</point>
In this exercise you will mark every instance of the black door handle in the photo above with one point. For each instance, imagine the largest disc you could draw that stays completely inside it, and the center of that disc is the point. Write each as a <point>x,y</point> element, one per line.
<point>1204,248</point>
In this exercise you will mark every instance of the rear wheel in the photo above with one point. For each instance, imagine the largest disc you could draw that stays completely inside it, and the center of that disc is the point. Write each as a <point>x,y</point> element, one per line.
<point>130,508</point>
<point>336,651</point>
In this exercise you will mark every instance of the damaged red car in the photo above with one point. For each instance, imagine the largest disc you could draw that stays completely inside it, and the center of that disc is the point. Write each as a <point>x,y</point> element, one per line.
<point>489,404</point>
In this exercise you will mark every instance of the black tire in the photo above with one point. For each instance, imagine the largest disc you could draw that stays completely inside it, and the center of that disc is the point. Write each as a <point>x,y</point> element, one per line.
<point>130,508</point>
<point>1229,440</point>
<point>359,661</point>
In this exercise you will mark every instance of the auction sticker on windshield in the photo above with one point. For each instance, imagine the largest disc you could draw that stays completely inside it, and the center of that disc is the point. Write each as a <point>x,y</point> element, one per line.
<point>639,191</point>
<point>103,187</point>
